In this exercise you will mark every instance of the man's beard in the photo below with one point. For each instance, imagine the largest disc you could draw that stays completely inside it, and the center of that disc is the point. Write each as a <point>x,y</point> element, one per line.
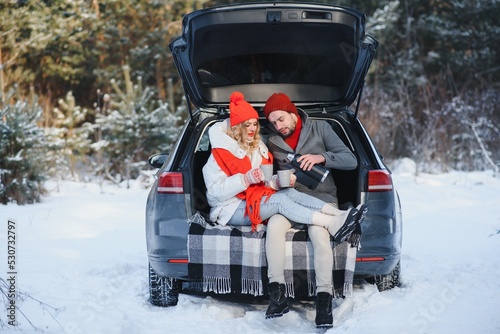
<point>292,130</point>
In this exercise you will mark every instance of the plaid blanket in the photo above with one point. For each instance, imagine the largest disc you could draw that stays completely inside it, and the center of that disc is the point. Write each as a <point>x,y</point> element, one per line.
<point>230,259</point>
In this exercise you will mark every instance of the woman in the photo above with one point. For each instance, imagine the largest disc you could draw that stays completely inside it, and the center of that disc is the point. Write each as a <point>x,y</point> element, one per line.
<point>236,191</point>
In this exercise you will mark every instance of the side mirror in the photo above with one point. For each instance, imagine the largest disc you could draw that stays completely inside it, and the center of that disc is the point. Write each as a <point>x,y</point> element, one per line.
<point>157,160</point>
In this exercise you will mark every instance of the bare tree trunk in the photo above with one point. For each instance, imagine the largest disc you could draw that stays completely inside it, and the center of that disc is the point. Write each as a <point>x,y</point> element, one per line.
<point>95,4</point>
<point>484,151</point>
<point>171,104</point>
<point>159,80</point>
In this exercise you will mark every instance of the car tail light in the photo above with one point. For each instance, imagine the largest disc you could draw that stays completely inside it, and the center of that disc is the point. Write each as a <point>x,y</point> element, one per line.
<point>170,183</point>
<point>379,180</point>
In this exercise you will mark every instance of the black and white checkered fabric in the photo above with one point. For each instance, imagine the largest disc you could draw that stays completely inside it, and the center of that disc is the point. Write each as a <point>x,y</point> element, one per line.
<point>232,260</point>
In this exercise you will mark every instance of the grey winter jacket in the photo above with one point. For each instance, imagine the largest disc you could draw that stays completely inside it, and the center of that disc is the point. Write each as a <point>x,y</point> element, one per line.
<point>316,137</point>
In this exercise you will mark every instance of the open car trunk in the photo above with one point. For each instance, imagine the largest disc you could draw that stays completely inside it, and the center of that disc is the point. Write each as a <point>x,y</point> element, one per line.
<point>316,54</point>
<point>348,182</point>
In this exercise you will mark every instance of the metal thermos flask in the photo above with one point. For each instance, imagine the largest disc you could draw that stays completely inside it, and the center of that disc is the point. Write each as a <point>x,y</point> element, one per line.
<point>319,173</point>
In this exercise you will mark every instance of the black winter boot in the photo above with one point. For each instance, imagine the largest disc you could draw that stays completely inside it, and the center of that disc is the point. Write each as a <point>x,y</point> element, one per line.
<point>324,317</point>
<point>278,304</point>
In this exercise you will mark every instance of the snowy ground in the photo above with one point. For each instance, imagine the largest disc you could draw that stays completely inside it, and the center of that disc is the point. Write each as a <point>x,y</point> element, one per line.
<point>82,268</point>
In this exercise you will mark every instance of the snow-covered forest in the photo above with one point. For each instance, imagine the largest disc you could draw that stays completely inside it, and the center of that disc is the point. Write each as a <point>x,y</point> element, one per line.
<point>88,89</point>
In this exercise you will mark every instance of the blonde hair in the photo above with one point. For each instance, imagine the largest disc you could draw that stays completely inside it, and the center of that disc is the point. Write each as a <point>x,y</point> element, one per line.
<point>237,132</point>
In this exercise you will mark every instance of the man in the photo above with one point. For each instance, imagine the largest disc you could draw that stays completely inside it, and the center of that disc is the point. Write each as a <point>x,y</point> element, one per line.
<point>318,144</point>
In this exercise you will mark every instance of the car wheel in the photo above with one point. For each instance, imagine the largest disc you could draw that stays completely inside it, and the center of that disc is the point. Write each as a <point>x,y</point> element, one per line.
<point>163,291</point>
<point>389,281</point>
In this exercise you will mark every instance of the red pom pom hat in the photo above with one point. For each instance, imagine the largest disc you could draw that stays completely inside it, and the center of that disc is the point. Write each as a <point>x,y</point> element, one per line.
<point>240,110</point>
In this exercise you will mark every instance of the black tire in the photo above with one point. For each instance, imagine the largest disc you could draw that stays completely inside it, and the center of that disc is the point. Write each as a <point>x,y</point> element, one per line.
<point>389,281</point>
<point>163,291</point>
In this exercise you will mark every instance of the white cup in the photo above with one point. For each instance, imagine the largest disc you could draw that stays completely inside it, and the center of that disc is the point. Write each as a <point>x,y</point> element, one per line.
<point>267,170</point>
<point>284,177</point>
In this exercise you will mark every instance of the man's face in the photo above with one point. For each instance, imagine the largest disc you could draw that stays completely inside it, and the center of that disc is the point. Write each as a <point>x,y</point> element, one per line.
<point>283,121</point>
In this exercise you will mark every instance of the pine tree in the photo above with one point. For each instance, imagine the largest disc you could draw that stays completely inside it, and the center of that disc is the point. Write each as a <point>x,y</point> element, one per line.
<point>23,152</point>
<point>131,126</point>
<point>73,132</point>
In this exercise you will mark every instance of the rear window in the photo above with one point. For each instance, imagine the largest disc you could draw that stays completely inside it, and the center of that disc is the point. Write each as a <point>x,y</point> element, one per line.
<point>273,68</point>
<point>284,53</point>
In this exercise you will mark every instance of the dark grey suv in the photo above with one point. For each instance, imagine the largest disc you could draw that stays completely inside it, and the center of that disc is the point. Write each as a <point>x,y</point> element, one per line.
<point>318,55</point>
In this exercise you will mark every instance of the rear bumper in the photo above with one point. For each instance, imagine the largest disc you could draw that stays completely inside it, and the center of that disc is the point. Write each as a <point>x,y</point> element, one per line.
<point>363,268</point>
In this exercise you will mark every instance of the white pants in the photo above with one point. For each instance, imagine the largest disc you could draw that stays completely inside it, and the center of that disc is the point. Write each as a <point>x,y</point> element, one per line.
<point>277,227</point>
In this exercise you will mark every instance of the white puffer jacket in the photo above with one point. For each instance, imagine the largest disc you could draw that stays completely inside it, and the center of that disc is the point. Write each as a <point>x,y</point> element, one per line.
<point>221,188</point>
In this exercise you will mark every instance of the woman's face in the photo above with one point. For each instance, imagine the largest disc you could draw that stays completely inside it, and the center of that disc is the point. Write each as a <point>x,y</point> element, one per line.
<point>250,128</point>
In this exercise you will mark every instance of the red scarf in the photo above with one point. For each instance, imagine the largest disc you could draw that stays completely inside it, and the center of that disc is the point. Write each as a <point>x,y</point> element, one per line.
<point>293,139</point>
<point>254,193</point>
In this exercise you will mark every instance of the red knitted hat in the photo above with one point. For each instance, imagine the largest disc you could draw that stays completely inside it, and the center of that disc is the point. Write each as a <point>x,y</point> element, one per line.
<point>279,101</point>
<point>240,109</point>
